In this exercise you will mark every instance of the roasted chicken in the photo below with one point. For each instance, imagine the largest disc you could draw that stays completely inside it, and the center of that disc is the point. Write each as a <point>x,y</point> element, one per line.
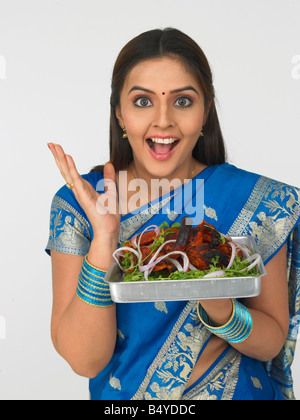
<point>203,245</point>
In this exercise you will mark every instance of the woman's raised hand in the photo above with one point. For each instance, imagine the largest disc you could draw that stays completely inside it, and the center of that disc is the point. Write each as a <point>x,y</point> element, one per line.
<point>101,209</point>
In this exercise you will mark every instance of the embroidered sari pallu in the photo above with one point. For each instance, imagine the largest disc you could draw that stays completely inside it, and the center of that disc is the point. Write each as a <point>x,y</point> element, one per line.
<point>159,343</point>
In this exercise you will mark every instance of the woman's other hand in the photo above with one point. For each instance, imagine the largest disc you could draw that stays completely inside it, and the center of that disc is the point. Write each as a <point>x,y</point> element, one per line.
<point>101,209</point>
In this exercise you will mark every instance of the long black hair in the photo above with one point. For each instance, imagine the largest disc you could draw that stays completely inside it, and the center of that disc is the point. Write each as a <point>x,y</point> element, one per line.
<point>210,149</point>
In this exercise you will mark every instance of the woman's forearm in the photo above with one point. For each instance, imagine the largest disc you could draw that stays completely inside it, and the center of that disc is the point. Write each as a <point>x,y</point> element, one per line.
<point>266,339</point>
<point>85,335</point>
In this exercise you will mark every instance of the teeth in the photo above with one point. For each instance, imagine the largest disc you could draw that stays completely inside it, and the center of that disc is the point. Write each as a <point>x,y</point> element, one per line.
<point>164,141</point>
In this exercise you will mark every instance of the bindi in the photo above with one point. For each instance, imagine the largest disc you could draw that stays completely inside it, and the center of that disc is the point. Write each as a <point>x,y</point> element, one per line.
<point>163,93</point>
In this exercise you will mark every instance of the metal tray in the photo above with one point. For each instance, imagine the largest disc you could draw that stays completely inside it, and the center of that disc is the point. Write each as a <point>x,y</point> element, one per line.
<point>193,289</point>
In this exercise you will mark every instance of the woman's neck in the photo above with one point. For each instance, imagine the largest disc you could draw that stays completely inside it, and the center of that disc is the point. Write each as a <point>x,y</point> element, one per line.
<point>138,188</point>
<point>188,171</point>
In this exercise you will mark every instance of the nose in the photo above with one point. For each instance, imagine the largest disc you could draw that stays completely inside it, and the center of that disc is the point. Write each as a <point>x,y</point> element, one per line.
<point>163,117</point>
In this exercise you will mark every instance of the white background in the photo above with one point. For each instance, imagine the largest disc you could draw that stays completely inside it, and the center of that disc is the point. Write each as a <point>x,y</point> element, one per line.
<point>56,59</point>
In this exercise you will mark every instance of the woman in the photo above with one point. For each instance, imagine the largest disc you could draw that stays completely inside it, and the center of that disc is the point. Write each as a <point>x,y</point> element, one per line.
<point>164,125</point>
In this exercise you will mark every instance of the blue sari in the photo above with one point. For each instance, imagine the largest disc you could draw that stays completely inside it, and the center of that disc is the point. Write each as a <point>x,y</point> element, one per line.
<point>159,343</point>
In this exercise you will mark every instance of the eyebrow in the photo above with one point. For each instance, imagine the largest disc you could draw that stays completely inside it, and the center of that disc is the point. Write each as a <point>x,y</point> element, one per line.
<point>172,91</point>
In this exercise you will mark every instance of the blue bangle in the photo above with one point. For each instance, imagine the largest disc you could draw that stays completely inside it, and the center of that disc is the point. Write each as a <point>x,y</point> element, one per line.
<point>237,329</point>
<point>92,288</point>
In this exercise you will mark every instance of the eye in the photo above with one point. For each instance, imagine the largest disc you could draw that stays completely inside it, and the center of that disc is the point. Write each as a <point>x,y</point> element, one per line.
<point>142,102</point>
<point>183,102</point>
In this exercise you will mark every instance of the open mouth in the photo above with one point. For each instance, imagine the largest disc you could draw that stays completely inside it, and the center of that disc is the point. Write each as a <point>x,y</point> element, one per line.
<point>161,146</point>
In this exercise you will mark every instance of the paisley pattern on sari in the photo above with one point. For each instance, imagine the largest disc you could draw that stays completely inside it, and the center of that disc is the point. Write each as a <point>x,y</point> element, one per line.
<point>159,343</point>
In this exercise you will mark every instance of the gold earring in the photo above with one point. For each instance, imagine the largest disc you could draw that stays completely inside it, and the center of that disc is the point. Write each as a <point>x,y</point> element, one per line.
<point>125,136</point>
<point>201,134</point>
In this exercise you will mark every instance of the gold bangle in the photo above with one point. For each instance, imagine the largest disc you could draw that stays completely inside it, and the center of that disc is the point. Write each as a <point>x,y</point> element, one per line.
<point>94,305</point>
<point>92,266</point>
<point>105,299</point>
<point>101,289</point>
<point>97,283</point>
<point>221,326</point>
<point>237,330</point>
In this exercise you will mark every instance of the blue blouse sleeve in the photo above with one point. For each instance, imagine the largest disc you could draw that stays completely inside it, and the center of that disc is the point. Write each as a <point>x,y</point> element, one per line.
<point>69,229</point>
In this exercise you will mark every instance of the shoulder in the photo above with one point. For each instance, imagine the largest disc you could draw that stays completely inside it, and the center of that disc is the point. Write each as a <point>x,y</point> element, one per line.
<point>232,172</point>
<point>270,213</point>
<point>260,182</point>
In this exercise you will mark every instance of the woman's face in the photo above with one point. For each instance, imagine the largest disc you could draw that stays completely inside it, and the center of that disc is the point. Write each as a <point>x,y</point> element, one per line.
<point>162,108</point>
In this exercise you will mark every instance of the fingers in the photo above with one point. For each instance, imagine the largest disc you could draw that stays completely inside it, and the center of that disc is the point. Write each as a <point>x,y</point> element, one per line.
<point>109,171</point>
<point>82,192</point>
<point>75,176</point>
<point>64,163</point>
<point>108,200</point>
<point>60,160</point>
<point>77,181</point>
